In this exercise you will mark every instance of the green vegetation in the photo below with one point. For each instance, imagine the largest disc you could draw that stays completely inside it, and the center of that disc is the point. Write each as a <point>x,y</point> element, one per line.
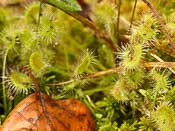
<point>124,73</point>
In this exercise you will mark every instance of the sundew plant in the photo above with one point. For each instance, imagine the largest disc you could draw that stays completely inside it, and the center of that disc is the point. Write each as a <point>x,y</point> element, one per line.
<point>116,56</point>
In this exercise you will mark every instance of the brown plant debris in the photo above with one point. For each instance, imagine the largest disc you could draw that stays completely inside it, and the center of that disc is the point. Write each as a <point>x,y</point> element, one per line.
<point>38,112</point>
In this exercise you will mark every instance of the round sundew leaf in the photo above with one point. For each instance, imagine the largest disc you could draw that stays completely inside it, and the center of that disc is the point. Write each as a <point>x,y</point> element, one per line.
<point>21,83</point>
<point>36,62</point>
<point>164,117</point>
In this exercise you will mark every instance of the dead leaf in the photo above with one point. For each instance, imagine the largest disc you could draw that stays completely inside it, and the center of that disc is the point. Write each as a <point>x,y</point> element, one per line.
<point>38,112</point>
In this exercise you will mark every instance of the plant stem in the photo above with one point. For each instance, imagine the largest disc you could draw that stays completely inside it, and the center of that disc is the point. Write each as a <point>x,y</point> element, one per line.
<point>93,75</point>
<point>98,32</point>
<point>39,15</point>
<point>95,90</point>
<point>118,20</point>
<point>66,59</point>
<point>3,81</point>
<point>162,24</point>
<point>91,25</point>
<point>133,12</point>
<point>115,70</point>
<point>171,65</point>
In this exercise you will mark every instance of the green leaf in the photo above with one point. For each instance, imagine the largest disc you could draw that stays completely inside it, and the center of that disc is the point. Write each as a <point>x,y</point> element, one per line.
<point>65,5</point>
<point>36,61</point>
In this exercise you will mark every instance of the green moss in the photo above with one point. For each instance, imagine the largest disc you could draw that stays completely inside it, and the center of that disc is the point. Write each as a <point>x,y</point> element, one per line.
<point>123,90</point>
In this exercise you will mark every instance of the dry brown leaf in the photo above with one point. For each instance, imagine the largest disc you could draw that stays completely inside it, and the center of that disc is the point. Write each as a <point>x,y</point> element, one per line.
<point>38,112</point>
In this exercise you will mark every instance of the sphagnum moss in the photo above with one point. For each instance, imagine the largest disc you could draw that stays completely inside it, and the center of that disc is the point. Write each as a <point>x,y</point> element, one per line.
<point>128,97</point>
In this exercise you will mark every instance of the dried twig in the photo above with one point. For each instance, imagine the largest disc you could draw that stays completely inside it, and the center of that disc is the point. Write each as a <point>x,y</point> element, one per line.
<point>168,65</point>
<point>162,24</point>
<point>160,64</point>
<point>98,32</point>
<point>93,75</point>
<point>132,17</point>
<point>163,48</point>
